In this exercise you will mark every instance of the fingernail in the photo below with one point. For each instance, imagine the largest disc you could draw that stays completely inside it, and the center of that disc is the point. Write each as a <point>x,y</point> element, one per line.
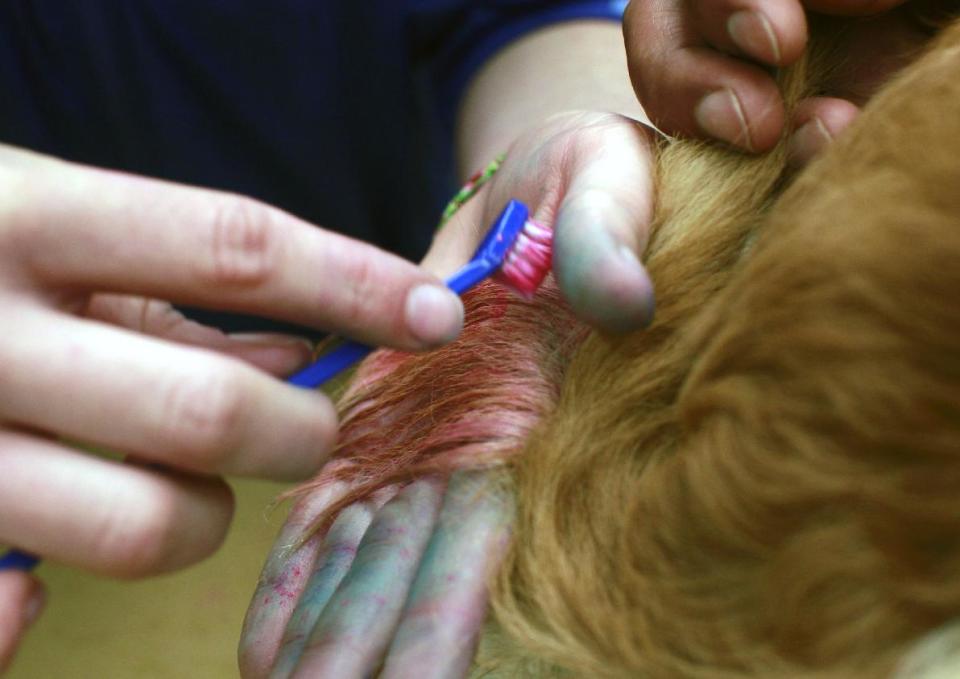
<point>625,292</point>
<point>34,605</point>
<point>720,115</point>
<point>434,314</point>
<point>808,141</point>
<point>603,279</point>
<point>753,33</point>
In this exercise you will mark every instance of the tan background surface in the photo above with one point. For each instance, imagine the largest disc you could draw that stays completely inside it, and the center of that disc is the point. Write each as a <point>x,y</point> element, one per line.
<point>182,625</point>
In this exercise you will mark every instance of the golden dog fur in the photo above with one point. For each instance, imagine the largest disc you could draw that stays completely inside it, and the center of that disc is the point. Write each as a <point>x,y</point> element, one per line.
<point>766,483</point>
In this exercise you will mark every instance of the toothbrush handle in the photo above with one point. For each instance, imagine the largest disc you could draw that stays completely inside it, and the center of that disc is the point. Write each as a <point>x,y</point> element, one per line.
<point>348,353</point>
<point>15,560</point>
<point>330,364</point>
<point>470,274</point>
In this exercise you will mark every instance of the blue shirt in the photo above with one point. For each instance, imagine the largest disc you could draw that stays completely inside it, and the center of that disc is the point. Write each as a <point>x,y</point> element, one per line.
<point>339,112</point>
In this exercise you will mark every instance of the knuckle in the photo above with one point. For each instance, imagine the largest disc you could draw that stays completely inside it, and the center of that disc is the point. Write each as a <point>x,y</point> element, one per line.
<point>359,292</point>
<point>201,417</point>
<point>243,244</point>
<point>18,223</point>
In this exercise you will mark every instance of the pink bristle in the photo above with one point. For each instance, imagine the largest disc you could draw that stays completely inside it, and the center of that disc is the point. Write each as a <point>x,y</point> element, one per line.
<point>529,260</point>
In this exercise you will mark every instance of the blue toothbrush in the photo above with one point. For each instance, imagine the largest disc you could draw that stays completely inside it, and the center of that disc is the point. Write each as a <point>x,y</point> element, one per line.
<point>516,249</point>
<point>501,251</point>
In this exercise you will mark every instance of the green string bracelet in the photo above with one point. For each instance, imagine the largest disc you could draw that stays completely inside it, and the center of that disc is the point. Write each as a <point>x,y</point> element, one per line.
<point>470,188</point>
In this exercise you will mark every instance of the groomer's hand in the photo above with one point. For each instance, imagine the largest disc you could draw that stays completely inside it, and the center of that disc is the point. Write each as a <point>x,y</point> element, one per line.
<point>89,354</point>
<point>589,176</point>
<point>700,67</point>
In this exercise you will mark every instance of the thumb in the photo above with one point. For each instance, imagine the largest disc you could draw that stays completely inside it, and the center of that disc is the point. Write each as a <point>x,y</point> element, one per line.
<point>601,230</point>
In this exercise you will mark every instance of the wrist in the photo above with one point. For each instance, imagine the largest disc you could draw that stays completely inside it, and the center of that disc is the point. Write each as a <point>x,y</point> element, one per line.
<point>575,65</point>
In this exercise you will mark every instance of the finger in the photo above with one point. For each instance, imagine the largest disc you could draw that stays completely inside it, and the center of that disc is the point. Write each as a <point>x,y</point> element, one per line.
<point>333,561</point>
<point>817,123</point>
<point>454,244</point>
<point>353,632</point>
<point>601,229</point>
<point>772,32</point>
<point>447,604</point>
<point>276,354</point>
<point>690,89</point>
<point>177,405</point>
<point>282,580</point>
<point>110,518</point>
<point>22,599</point>
<point>594,187</point>
<point>109,231</point>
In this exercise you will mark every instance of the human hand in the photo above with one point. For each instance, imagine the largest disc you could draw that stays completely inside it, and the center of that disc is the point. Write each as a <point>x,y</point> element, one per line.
<point>700,68</point>
<point>398,583</point>
<point>90,354</point>
<point>589,176</point>
<point>390,585</point>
